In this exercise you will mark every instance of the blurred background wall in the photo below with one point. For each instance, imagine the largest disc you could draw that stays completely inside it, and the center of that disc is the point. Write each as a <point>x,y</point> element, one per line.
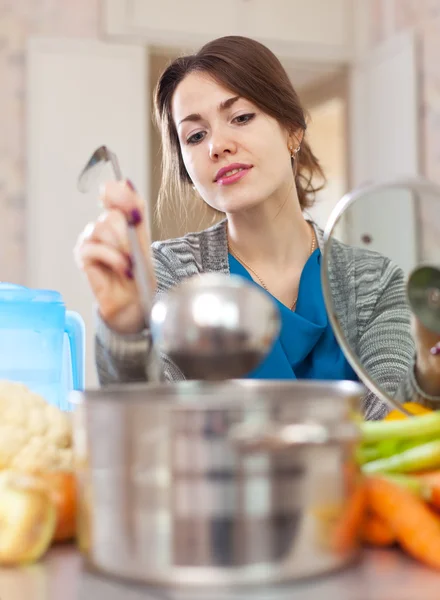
<point>77,74</point>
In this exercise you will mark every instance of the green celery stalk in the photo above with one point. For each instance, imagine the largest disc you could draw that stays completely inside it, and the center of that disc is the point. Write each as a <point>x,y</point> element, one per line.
<point>369,452</point>
<point>366,454</point>
<point>388,447</point>
<point>416,441</point>
<point>418,458</point>
<point>418,426</point>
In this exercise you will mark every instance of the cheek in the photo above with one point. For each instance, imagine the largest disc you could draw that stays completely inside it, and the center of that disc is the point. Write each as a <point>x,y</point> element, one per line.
<point>279,156</point>
<point>187,161</point>
<point>269,148</point>
<point>193,161</point>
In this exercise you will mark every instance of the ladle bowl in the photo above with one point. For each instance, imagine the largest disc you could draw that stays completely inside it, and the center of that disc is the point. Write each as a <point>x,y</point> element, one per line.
<point>215,326</point>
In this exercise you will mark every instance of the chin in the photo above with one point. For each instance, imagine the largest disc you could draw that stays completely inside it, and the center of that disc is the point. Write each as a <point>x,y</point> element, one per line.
<point>237,204</point>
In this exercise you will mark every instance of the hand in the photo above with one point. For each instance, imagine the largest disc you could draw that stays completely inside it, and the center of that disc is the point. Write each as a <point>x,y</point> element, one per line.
<point>102,252</point>
<point>428,358</point>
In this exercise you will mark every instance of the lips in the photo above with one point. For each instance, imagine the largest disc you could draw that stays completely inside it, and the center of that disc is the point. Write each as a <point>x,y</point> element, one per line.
<point>231,170</point>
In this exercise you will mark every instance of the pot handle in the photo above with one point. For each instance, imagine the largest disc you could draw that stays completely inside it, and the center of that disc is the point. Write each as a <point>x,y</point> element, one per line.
<point>272,437</point>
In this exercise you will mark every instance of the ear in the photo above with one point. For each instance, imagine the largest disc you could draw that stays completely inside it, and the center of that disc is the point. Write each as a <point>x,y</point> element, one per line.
<point>296,138</point>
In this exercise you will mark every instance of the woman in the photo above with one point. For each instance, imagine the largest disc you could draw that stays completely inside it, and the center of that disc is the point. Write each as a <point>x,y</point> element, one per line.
<point>233,129</point>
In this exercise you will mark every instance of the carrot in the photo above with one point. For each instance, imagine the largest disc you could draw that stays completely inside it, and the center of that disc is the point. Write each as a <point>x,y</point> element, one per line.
<point>411,483</point>
<point>376,532</point>
<point>416,527</point>
<point>347,530</point>
<point>432,481</point>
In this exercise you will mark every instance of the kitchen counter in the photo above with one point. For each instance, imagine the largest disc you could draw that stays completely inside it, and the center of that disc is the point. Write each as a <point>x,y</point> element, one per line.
<point>380,575</point>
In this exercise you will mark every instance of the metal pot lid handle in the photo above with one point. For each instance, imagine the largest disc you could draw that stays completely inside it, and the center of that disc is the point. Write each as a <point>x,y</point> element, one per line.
<point>272,437</point>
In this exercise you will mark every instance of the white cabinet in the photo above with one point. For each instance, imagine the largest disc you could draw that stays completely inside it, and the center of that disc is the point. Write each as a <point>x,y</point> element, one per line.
<point>326,23</point>
<point>81,94</point>
<point>171,23</point>
<point>199,17</point>
<point>310,30</point>
<point>385,134</point>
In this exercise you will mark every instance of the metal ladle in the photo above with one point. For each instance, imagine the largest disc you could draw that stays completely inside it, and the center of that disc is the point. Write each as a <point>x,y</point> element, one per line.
<point>88,177</point>
<point>215,326</point>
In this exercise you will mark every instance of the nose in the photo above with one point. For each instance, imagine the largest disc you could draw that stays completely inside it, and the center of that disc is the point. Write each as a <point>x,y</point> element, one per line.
<point>220,144</point>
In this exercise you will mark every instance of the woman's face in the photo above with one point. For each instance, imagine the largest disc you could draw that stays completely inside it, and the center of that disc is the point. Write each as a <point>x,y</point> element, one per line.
<point>236,155</point>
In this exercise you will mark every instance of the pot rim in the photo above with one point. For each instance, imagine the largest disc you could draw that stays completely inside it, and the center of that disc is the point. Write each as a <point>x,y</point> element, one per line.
<point>218,395</point>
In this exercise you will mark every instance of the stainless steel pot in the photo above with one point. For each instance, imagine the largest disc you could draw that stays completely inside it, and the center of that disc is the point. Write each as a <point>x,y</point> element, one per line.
<point>242,482</point>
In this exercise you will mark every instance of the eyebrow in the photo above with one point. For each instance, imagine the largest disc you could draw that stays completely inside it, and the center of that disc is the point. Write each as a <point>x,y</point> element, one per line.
<point>222,106</point>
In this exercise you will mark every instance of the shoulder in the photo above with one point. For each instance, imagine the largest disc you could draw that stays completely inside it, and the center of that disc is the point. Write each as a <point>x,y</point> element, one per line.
<point>344,258</point>
<point>363,282</point>
<point>190,242</point>
<point>368,267</point>
<point>187,255</point>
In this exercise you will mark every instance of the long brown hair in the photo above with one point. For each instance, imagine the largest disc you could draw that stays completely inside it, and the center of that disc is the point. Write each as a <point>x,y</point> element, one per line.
<point>252,71</point>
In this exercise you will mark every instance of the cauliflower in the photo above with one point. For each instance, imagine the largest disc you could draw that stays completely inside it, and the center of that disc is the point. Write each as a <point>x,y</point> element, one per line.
<point>34,435</point>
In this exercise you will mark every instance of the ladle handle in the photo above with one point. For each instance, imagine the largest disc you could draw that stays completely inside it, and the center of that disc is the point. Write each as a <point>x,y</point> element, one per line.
<point>140,270</point>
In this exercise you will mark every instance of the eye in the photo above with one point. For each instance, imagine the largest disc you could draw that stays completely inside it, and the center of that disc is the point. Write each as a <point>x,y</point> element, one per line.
<point>196,138</point>
<point>243,119</point>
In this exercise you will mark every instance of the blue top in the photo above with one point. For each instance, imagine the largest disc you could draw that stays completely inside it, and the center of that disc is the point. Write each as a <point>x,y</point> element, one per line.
<point>306,347</point>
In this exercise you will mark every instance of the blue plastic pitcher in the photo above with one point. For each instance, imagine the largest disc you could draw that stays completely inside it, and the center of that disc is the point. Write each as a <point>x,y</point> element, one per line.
<point>41,343</point>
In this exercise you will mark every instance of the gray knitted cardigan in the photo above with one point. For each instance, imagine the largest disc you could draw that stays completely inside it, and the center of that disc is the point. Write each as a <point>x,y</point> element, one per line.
<point>368,296</point>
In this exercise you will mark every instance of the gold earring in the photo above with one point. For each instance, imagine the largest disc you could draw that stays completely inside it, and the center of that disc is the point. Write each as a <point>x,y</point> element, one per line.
<point>293,153</point>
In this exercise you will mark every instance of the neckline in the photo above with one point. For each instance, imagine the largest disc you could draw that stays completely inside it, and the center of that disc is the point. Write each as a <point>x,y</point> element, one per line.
<point>214,246</point>
<point>243,272</point>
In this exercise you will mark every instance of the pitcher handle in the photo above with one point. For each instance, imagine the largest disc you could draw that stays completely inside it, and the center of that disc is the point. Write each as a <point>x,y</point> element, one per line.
<point>75,330</point>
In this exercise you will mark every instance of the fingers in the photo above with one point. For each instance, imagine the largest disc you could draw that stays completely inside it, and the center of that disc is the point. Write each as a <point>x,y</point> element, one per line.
<point>111,229</point>
<point>105,242</point>
<point>425,339</point>
<point>91,253</point>
<point>121,196</point>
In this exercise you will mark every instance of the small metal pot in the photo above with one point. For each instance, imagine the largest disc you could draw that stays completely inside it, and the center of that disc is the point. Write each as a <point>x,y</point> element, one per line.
<point>242,482</point>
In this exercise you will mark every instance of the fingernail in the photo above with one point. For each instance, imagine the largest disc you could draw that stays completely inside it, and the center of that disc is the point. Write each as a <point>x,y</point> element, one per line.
<point>130,185</point>
<point>135,217</point>
<point>129,273</point>
<point>435,349</point>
